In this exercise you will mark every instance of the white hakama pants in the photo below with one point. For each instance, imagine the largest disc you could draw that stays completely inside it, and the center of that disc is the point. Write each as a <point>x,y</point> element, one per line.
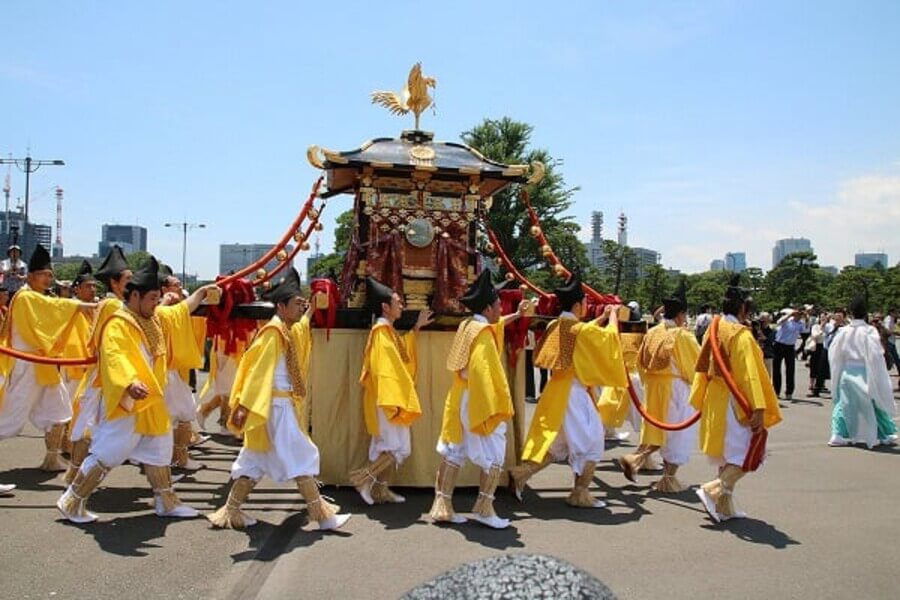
<point>179,398</point>
<point>391,438</point>
<point>483,450</point>
<point>24,400</point>
<point>634,417</point>
<point>737,440</point>
<point>88,412</point>
<point>680,444</point>
<point>115,441</point>
<point>581,437</point>
<point>292,454</point>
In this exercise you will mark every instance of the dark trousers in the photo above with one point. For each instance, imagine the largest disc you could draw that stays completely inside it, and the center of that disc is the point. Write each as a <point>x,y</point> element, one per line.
<point>529,374</point>
<point>786,353</point>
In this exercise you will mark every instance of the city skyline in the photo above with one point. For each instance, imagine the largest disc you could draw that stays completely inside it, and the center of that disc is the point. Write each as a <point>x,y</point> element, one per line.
<point>707,134</point>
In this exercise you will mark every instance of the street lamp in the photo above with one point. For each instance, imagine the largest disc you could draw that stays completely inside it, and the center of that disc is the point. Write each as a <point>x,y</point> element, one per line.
<point>29,165</point>
<point>184,229</point>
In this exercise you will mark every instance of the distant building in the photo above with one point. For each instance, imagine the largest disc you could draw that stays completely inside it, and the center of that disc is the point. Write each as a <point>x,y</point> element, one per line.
<point>673,273</point>
<point>131,238</point>
<point>717,264</point>
<point>789,246</point>
<point>14,230</point>
<point>830,270</point>
<point>233,257</point>
<point>870,259</point>
<point>644,257</point>
<point>594,248</point>
<point>736,262</point>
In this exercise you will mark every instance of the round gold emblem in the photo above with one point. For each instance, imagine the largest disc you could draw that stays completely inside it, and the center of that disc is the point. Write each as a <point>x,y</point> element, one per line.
<point>422,152</point>
<point>419,233</point>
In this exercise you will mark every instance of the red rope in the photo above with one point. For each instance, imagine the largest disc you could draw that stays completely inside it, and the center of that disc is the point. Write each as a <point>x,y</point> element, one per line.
<point>509,266</point>
<point>281,243</point>
<point>47,360</point>
<point>290,257</point>
<point>656,423</point>
<point>551,256</point>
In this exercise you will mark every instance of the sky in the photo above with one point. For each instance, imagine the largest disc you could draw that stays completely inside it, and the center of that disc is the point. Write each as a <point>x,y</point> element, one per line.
<point>716,126</point>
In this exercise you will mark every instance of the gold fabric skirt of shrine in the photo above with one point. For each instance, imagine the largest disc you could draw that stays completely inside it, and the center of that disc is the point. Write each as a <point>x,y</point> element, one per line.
<point>336,410</point>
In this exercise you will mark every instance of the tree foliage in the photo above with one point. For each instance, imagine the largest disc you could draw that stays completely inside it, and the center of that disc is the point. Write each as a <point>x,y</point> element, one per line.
<point>508,141</point>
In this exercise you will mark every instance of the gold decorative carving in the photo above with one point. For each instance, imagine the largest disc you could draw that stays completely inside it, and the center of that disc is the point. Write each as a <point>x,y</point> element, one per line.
<point>537,172</point>
<point>413,98</point>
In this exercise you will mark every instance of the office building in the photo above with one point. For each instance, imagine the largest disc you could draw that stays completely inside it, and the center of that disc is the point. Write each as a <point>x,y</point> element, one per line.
<point>789,246</point>
<point>870,259</point>
<point>736,262</point>
<point>717,264</point>
<point>131,238</point>
<point>234,257</point>
<point>14,230</point>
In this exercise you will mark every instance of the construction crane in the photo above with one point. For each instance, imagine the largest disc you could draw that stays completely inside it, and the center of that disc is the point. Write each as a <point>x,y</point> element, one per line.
<point>7,187</point>
<point>57,250</point>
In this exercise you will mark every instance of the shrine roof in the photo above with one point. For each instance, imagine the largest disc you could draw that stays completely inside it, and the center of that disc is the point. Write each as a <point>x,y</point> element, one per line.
<point>417,151</point>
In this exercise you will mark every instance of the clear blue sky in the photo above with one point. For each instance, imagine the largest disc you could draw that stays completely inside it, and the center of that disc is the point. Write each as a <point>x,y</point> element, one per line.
<point>716,126</point>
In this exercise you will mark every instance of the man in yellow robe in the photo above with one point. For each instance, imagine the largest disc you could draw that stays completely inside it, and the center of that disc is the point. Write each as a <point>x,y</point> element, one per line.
<point>184,353</point>
<point>134,423</point>
<point>726,431</point>
<point>37,324</point>
<point>114,274</point>
<point>390,402</point>
<point>667,358</point>
<point>615,403</point>
<point>477,407</point>
<point>84,289</point>
<point>265,403</point>
<point>566,422</point>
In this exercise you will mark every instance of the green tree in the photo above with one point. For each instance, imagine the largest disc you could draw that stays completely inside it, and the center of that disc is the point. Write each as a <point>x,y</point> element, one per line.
<point>706,288</point>
<point>794,281</point>
<point>654,287</point>
<point>508,141</point>
<point>334,262</point>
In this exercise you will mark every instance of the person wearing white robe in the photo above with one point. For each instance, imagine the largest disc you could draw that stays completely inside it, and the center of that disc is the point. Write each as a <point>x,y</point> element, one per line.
<point>864,405</point>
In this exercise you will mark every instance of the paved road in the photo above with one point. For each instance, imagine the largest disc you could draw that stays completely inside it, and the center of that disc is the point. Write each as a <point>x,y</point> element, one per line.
<point>823,524</point>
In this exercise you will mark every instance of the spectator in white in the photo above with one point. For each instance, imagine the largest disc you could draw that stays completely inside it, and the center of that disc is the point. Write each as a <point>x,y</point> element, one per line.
<point>790,326</point>
<point>703,321</point>
<point>13,269</point>
<point>890,324</point>
<point>805,332</point>
<point>818,360</point>
<point>863,401</point>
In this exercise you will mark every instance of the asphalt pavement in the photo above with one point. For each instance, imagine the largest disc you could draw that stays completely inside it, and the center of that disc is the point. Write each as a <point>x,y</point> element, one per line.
<point>822,524</point>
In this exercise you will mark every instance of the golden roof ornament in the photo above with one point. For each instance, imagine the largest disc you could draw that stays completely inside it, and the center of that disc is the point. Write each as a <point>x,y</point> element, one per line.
<point>414,97</point>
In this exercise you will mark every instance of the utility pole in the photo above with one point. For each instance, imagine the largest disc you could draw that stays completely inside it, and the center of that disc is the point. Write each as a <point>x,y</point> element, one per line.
<point>29,165</point>
<point>184,229</point>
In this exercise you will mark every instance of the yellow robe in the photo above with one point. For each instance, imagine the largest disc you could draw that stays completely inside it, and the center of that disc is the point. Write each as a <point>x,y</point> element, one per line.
<point>218,346</point>
<point>184,338</point>
<point>658,378</point>
<point>710,394</point>
<point>255,377</point>
<point>490,402</point>
<point>42,322</point>
<point>615,402</point>
<point>105,310</point>
<point>389,382</point>
<point>122,362</point>
<point>78,345</point>
<point>596,360</point>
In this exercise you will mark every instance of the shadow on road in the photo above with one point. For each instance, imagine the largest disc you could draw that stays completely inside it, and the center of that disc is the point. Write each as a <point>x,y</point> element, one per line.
<point>126,536</point>
<point>34,480</point>
<point>754,531</point>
